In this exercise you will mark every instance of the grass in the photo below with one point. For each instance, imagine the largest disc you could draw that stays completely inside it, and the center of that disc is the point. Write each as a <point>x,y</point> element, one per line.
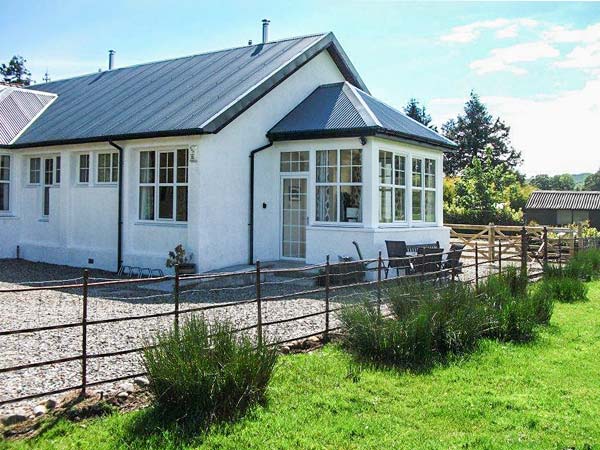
<point>541,395</point>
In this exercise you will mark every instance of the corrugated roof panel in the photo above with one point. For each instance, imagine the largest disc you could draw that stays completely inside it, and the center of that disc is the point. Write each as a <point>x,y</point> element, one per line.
<point>18,109</point>
<point>175,95</point>
<point>577,200</point>
<point>326,108</point>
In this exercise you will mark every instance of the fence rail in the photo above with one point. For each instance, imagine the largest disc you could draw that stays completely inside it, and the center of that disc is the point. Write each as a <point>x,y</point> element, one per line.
<point>364,277</point>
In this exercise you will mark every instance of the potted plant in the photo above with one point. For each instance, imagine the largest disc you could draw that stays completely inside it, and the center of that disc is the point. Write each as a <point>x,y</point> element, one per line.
<point>182,262</point>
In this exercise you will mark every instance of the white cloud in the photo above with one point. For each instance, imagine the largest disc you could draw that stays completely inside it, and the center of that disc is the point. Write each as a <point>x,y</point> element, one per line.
<point>566,35</point>
<point>504,59</point>
<point>553,132</point>
<point>505,28</point>
<point>582,57</point>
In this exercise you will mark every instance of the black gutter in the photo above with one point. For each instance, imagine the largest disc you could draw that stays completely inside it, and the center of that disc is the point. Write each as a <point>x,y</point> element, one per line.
<point>119,208</point>
<point>251,218</point>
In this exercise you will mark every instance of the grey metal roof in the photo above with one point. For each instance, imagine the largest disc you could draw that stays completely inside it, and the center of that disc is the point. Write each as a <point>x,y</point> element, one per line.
<point>577,200</point>
<point>341,109</point>
<point>191,95</point>
<point>18,109</point>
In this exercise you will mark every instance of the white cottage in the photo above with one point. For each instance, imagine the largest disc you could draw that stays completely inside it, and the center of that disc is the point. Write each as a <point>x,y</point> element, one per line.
<point>264,152</point>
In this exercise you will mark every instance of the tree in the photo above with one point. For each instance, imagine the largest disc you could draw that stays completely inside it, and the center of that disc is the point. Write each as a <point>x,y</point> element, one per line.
<point>15,71</point>
<point>564,182</point>
<point>543,182</point>
<point>592,182</point>
<point>475,131</point>
<point>418,113</point>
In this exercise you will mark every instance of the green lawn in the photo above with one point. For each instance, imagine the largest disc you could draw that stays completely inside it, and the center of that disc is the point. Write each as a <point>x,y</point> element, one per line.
<point>544,395</point>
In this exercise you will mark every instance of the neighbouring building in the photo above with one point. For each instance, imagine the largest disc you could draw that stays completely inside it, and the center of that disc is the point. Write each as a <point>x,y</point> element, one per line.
<point>269,151</point>
<point>563,207</point>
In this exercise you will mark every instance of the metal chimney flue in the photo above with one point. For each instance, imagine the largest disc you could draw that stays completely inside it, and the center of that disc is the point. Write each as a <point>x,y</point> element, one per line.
<point>111,59</point>
<point>265,30</point>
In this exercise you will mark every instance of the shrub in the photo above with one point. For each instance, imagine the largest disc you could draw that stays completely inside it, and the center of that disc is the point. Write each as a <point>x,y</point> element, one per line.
<point>563,289</point>
<point>205,372</point>
<point>584,265</point>
<point>513,311</point>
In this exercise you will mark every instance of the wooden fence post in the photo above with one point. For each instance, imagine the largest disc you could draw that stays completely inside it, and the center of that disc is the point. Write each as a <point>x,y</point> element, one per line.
<point>327,272</point>
<point>379,265</point>
<point>176,297</point>
<point>491,242</point>
<point>559,252</point>
<point>524,245</point>
<point>258,306</point>
<point>84,333</point>
<point>476,267</point>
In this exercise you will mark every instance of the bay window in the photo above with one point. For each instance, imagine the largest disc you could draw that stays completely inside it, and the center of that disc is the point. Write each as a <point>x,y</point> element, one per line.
<point>163,185</point>
<point>4,183</point>
<point>339,186</point>
<point>108,168</point>
<point>392,187</point>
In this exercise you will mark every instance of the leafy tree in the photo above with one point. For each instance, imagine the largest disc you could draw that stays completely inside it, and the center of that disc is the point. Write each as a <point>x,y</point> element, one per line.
<point>474,132</point>
<point>543,182</point>
<point>564,182</point>
<point>418,113</point>
<point>15,71</point>
<point>592,182</point>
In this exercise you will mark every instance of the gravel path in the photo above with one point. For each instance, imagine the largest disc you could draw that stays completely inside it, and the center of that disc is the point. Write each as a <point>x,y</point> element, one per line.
<point>47,307</point>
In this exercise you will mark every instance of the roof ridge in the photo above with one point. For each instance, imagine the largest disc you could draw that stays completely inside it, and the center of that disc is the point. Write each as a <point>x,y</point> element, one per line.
<point>210,52</point>
<point>557,191</point>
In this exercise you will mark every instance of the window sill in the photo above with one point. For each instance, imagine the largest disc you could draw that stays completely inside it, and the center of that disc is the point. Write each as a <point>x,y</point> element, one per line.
<point>8,216</point>
<point>44,219</point>
<point>158,223</point>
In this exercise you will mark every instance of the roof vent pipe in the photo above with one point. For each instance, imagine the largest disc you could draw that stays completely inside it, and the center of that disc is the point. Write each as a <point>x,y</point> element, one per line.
<point>265,36</point>
<point>111,59</point>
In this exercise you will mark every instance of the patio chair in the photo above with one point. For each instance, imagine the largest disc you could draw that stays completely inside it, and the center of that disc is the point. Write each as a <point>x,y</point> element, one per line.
<point>397,249</point>
<point>453,264</point>
<point>429,260</point>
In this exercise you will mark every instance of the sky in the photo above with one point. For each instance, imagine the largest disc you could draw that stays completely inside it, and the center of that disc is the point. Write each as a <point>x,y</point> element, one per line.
<point>535,64</point>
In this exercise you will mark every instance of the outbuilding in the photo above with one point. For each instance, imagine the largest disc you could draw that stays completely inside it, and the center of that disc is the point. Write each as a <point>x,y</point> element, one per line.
<point>563,207</point>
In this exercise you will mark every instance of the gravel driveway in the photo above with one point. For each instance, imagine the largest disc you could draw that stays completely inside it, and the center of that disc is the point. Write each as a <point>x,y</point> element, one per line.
<point>52,307</point>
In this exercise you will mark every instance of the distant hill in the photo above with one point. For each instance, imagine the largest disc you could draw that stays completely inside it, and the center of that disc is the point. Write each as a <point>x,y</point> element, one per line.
<point>580,178</point>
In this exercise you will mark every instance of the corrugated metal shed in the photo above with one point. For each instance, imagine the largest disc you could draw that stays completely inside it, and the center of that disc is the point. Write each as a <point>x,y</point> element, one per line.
<point>570,200</point>
<point>18,109</point>
<point>341,109</point>
<point>190,95</point>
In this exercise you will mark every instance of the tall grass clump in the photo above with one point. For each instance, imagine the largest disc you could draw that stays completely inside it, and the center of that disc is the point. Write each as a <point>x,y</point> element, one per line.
<point>584,265</point>
<point>427,324</point>
<point>560,285</point>
<point>204,372</point>
<point>514,312</point>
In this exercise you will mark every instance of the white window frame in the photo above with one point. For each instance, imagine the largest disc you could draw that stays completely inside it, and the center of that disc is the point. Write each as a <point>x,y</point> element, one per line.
<point>7,181</point>
<point>38,170</point>
<point>113,157</point>
<point>57,170</point>
<point>157,184</point>
<point>89,169</point>
<point>423,189</point>
<point>338,184</point>
<point>393,186</point>
<point>427,189</point>
<point>47,185</point>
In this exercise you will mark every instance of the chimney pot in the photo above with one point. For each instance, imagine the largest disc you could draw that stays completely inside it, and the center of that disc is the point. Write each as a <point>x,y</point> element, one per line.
<point>111,59</point>
<point>265,30</point>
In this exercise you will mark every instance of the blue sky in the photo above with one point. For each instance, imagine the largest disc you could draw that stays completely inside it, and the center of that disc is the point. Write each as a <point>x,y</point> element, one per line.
<point>535,64</point>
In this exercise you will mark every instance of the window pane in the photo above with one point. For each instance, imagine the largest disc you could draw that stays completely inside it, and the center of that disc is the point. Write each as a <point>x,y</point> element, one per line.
<point>147,167</point>
<point>430,206</point>
<point>400,204</point>
<point>326,166</point>
<point>48,171</point>
<point>57,176</point>
<point>4,196</point>
<point>4,168</point>
<point>34,170</point>
<point>146,203</point>
<point>182,195</point>
<point>350,166</point>
<point>166,167</point>
<point>351,204</point>
<point>430,173</point>
<point>84,168</point>
<point>326,204</point>
<point>417,175</point>
<point>104,168</point>
<point>416,205</point>
<point>46,206</point>
<point>182,166</point>
<point>385,205</point>
<point>385,168</point>
<point>114,175</point>
<point>165,202</point>
<point>399,170</point>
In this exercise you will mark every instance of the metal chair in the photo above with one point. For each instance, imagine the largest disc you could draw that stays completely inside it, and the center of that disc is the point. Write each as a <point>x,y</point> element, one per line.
<point>453,264</point>
<point>429,259</point>
<point>397,258</point>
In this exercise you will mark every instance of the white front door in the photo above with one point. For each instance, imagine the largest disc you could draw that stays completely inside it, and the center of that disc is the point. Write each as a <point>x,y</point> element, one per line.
<point>294,213</point>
